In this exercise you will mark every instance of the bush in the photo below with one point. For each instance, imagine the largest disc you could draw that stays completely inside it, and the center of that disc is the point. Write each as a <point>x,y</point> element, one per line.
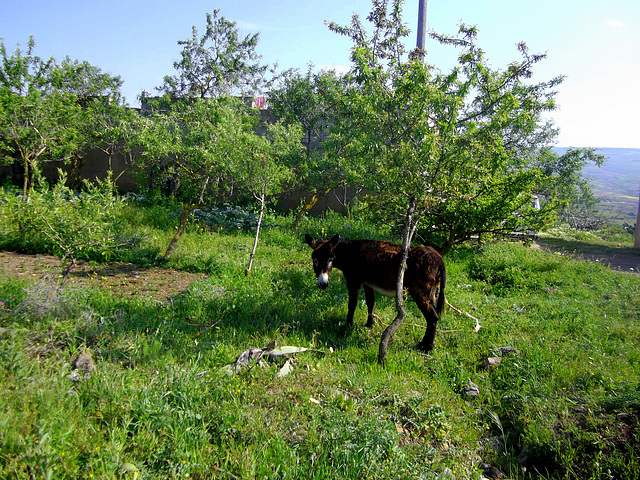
<point>225,217</point>
<point>69,224</point>
<point>509,266</point>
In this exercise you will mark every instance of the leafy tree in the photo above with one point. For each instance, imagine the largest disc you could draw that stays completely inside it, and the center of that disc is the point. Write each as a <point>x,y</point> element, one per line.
<point>309,100</point>
<point>451,155</point>
<point>217,63</point>
<point>31,121</point>
<point>202,140</point>
<point>191,145</point>
<point>110,128</point>
<point>104,122</point>
<point>266,164</point>
<point>577,203</point>
<point>187,135</point>
<point>43,108</point>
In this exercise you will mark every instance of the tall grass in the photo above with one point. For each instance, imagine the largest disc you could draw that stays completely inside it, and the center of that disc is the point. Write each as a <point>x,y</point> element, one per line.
<point>563,402</point>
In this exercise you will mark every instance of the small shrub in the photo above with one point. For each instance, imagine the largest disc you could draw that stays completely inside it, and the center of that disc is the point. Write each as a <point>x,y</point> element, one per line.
<point>225,217</point>
<point>69,224</point>
<point>509,266</point>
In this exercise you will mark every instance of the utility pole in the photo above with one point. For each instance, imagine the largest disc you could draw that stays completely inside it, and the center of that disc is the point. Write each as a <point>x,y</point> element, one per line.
<point>636,243</point>
<point>422,28</point>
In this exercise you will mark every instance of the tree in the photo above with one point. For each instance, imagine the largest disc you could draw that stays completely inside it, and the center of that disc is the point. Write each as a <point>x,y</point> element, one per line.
<point>188,134</point>
<point>573,193</point>
<point>309,100</point>
<point>44,108</point>
<point>104,122</point>
<point>31,119</point>
<point>109,127</point>
<point>191,145</point>
<point>75,224</point>
<point>453,154</point>
<point>202,140</point>
<point>266,164</point>
<point>216,64</point>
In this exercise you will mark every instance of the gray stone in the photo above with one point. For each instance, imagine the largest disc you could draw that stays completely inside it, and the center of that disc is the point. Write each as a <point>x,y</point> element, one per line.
<point>491,362</point>
<point>84,363</point>
<point>471,389</point>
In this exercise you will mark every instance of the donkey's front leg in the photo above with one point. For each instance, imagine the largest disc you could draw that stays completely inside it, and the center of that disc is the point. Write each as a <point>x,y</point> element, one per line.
<point>370,297</point>
<point>354,290</point>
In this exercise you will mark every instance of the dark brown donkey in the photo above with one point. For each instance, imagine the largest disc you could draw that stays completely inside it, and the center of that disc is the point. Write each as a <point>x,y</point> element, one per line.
<point>374,264</point>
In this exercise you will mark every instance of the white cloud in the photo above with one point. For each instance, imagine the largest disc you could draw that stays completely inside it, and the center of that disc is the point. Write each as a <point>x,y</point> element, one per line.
<point>253,27</point>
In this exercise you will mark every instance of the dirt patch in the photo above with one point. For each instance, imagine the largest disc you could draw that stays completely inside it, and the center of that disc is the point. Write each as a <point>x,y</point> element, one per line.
<point>622,259</point>
<point>123,279</point>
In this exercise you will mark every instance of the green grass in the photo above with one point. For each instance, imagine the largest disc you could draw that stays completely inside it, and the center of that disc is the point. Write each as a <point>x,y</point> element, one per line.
<point>565,404</point>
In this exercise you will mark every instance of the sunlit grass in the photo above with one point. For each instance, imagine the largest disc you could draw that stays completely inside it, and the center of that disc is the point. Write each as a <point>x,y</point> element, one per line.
<point>160,405</point>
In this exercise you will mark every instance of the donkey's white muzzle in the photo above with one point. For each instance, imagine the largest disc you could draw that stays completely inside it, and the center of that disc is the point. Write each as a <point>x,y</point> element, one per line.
<point>323,280</point>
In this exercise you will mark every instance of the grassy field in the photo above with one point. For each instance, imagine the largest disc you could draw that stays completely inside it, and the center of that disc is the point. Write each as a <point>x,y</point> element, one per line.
<point>158,400</point>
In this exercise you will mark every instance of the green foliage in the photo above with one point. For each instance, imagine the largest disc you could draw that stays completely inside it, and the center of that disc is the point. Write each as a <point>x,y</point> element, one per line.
<point>463,146</point>
<point>505,268</point>
<point>307,100</point>
<point>71,225</point>
<point>44,108</point>
<point>469,147</point>
<point>218,63</point>
<point>225,217</point>
<point>188,145</point>
<point>209,149</point>
<point>563,401</point>
<point>267,160</point>
<point>578,203</point>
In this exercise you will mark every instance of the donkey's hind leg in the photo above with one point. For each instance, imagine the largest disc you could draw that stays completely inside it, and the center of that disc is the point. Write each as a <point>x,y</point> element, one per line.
<point>428,310</point>
<point>370,297</point>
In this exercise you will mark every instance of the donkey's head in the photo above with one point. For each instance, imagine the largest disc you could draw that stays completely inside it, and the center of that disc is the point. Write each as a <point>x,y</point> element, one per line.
<point>322,256</point>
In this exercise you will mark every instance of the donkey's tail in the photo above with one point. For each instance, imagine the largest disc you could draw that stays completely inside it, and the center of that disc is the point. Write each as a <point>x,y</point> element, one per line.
<point>442,274</point>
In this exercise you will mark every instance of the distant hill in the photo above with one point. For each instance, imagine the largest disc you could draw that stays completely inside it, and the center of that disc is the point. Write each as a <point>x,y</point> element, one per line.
<point>617,182</point>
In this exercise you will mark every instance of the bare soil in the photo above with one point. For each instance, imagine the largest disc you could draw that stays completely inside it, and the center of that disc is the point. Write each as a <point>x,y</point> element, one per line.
<point>123,279</point>
<point>617,258</point>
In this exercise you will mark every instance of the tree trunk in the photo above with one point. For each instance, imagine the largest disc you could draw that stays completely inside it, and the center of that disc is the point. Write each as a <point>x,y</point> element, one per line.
<point>255,241</point>
<point>636,243</point>
<point>448,245</point>
<point>309,205</point>
<point>25,181</point>
<point>184,216</point>
<point>74,179</point>
<point>407,234</point>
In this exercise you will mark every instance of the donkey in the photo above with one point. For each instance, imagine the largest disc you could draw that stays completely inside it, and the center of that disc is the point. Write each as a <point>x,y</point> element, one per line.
<point>374,264</point>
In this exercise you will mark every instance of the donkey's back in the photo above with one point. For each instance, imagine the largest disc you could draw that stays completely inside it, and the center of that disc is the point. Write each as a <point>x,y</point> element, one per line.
<point>377,263</point>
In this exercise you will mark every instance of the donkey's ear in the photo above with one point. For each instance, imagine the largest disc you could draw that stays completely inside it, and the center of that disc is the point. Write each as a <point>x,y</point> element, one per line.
<point>310,241</point>
<point>334,241</point>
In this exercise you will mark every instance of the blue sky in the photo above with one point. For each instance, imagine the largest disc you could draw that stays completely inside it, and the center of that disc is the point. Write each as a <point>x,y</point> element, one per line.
<point>596,44</point>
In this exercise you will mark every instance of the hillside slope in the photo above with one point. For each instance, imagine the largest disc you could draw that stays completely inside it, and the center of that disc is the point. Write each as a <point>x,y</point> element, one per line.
<point>617,182</point>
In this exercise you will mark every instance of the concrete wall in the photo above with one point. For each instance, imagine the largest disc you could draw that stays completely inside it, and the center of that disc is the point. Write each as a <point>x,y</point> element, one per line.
<point>96,164</point>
